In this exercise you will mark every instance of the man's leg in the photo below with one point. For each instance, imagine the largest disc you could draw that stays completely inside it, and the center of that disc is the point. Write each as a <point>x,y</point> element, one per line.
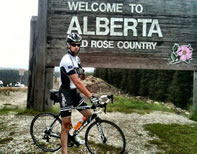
<point>86,113</point>
<point>66,125</point>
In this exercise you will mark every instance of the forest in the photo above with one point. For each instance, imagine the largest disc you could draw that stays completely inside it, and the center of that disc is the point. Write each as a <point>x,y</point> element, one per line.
<point>159,85</point>
<point>11,76</point>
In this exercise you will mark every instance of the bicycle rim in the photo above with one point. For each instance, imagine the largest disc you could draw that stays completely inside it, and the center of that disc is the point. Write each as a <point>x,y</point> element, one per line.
<point>113,142</point>
<point>47,140</point>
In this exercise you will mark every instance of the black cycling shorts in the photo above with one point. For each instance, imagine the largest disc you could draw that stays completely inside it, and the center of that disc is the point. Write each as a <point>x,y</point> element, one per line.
<point>69,98</point>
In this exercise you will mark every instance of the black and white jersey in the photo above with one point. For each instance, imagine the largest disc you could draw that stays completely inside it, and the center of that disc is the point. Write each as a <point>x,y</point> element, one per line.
<point>69,65</point>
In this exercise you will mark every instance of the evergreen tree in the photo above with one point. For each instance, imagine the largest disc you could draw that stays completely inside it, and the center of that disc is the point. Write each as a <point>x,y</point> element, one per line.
<point>180,90</point>
<point>144,82</point>
<point>164,79</point>
<point>124,84</point>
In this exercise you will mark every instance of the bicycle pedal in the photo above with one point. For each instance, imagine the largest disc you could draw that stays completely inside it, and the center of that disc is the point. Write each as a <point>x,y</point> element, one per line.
<point>77,144</point>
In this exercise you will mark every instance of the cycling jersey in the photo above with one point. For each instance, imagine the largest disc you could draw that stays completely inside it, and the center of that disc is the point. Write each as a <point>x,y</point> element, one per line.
<point>68,94</point>
<point>69,65</point>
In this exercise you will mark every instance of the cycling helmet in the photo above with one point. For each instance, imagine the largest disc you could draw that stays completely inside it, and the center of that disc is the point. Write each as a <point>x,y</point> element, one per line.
<point>74,38</point>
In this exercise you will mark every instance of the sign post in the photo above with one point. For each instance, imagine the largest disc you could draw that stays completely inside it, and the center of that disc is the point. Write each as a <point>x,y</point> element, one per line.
<point>21,74</point>
<point>195,92</point>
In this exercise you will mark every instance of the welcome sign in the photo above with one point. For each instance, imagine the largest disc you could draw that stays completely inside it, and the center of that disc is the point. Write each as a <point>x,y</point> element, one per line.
<point>153,34</point>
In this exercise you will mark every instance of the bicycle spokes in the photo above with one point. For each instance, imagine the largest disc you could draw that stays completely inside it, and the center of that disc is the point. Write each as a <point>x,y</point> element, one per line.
<point>105,136</point>
<point>45,131</point>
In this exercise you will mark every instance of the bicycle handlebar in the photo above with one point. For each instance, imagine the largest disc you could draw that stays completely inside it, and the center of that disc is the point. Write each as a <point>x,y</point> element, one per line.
<point>103,101</point>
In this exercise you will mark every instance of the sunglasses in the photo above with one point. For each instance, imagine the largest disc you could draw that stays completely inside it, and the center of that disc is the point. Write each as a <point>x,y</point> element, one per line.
<point>74,45</point>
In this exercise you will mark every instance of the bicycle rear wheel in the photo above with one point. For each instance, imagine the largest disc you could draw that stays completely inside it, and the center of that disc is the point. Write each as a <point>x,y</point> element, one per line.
<point>45,131</point>
<point>105,137</point>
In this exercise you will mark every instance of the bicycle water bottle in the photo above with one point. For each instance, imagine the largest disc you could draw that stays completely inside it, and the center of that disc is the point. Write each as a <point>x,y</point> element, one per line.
<point>79,123</point>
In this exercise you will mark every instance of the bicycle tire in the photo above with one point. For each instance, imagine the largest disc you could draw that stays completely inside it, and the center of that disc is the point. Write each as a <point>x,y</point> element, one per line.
<point>115,139</point>
<point>41,135</point>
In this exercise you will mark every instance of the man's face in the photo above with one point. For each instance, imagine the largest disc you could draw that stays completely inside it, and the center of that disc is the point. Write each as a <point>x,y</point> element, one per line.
<point>74,47</point>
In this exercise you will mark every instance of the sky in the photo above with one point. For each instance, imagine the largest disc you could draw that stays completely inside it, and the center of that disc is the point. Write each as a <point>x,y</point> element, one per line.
<point>15,16</point>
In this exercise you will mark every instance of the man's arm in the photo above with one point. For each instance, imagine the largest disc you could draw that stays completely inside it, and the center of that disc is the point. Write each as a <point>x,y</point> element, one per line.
<point>75,79</point>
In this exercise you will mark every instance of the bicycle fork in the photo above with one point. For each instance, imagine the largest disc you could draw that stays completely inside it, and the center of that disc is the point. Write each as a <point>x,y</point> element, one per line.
<point>102,135</point>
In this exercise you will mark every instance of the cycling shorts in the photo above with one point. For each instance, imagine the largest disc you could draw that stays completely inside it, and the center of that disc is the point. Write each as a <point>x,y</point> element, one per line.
<point>69,98</point>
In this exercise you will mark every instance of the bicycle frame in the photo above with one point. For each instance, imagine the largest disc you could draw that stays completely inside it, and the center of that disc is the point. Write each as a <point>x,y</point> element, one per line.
<point>94,116</point>
<point>96,128</point>
<point>76,132</point>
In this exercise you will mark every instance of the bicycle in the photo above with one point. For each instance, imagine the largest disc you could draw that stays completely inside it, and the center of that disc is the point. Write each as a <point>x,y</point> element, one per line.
<point>101,135</point>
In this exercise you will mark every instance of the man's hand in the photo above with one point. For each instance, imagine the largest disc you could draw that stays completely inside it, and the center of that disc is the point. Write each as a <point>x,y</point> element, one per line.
<point>94,100</point>
<point>82,76</point>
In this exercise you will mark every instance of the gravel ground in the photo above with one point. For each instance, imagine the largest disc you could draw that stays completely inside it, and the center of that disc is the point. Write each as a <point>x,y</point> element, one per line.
<point>15,130</point>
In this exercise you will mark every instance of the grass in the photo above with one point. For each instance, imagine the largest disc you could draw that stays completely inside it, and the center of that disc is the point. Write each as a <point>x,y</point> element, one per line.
<point>174,138</point>
<point>193,116</point>
<point>23,111</point>
<point>128,105</point>
<point>121,104</point>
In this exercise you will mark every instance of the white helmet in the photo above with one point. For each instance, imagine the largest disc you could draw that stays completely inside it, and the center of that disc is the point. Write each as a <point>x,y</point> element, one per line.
<point>74,38</point>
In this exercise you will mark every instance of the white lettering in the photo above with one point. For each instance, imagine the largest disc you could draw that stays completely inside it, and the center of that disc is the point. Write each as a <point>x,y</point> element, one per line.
<point>116,27</point>
<point>154,24</point>
<point>139,8</point>
<point>144,26</point>
<point>119,7</point>
<point>102,7</point>
<point>127,27</point>
<point>136,45</point>
<point>113,27</point>
<point>85,27</point>
<point>84,43</point>
<point>73,5</point>
<point>93,43</point>
<point>100,26</point>
<point>82,6</point>
<point>102,44</point>
<point>95,7</point>
<point>132,7</point>
<point>74,21</point>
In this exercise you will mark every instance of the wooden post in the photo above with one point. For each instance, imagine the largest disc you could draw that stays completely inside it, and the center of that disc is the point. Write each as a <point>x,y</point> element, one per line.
<point>31,74</point>
<point>195,92</point>
<point>40,62</point>
<point>48,85</point>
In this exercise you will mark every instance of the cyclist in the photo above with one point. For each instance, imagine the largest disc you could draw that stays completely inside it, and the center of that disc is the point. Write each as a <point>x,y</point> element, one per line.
<point>70,73</point>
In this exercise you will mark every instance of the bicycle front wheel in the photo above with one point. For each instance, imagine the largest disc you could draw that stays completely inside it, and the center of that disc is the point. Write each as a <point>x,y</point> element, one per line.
<point>45,131</point>
<point>105,137</point>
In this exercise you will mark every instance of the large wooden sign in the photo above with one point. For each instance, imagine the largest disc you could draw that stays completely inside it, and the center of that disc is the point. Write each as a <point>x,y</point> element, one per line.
<point>143,34</point>
<point>153,34</point>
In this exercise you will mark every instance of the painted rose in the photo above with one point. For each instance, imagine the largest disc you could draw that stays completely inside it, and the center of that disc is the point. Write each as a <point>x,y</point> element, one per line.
<point>184,52</point>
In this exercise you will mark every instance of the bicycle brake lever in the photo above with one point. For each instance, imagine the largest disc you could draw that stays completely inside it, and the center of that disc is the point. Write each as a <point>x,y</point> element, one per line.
<point>111,97</point>
<point>105,108</point>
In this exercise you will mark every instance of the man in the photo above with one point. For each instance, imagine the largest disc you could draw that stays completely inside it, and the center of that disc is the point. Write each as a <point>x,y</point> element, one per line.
<point>70,71</point>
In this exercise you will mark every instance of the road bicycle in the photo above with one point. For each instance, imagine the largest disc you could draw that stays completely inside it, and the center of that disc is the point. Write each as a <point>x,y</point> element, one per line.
<point>101,136</point>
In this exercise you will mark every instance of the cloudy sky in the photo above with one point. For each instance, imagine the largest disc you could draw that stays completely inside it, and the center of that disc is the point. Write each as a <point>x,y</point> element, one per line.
<point>15,16</point>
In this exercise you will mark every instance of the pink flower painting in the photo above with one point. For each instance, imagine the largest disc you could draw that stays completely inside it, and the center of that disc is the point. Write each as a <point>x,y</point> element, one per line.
<point>184,52</point>
<point>181,53</point>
